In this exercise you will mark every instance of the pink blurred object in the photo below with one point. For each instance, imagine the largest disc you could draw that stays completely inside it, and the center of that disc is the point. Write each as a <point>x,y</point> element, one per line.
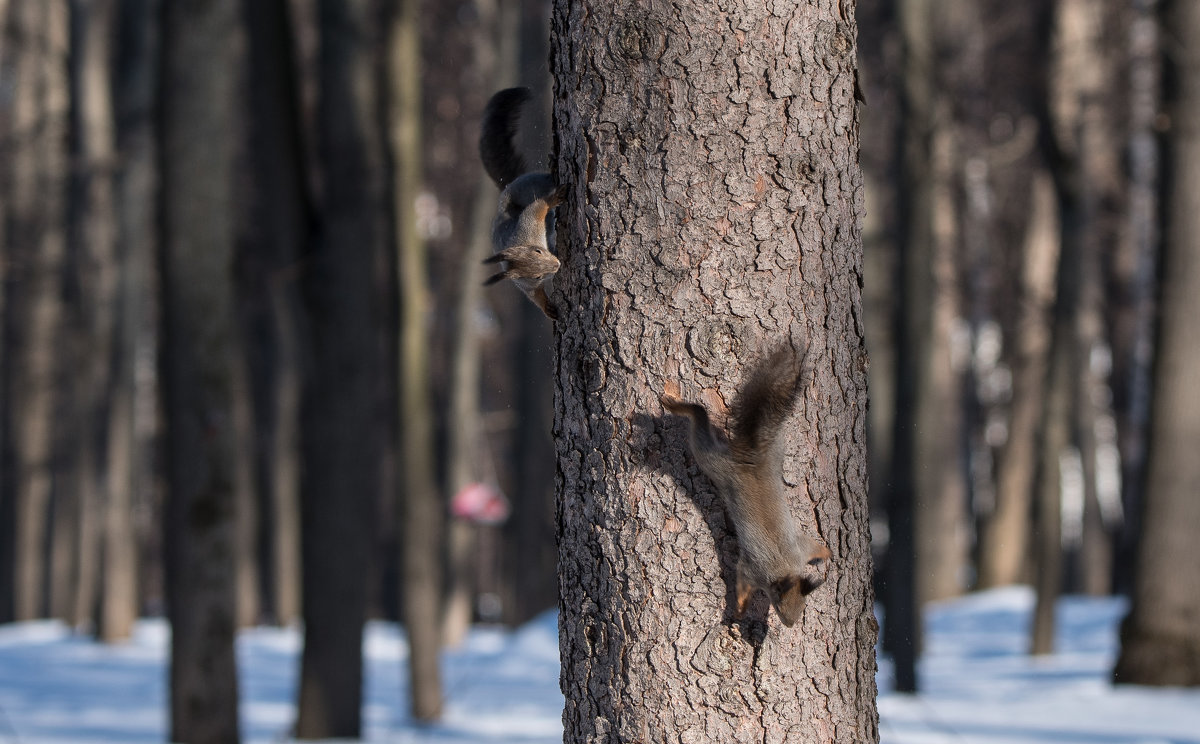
<point>480,503</point>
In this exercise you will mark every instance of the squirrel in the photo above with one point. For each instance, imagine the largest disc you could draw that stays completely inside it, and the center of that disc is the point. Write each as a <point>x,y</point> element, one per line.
<point>746,468</point>
<point>523,229</point>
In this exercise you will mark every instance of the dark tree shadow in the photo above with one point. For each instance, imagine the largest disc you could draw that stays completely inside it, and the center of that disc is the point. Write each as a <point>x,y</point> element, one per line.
<point>666,450</point>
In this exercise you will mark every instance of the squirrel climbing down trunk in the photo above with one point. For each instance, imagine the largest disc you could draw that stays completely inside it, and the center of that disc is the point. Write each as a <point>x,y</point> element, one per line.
<point>746,468</point>
<point>523,229</point>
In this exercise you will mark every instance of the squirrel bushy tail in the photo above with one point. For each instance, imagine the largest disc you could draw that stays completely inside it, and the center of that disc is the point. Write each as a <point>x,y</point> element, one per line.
<point>764,402</point>
<point>496,147</point>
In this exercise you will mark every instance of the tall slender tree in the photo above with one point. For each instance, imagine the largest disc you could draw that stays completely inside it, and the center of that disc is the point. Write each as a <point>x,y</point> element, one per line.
<point>714,211</point>
<point>1160,640</point>
<point>420,505</point>
<point>199,64</point>
<point>34,265</point>
<point>128,476</point>
<point>339,435</point>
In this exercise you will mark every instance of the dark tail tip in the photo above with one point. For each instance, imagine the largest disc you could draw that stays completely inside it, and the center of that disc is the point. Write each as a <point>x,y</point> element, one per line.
<point>496,148</point>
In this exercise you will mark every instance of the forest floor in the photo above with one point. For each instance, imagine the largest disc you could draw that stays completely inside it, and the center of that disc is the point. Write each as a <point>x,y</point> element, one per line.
<point>978,685</point>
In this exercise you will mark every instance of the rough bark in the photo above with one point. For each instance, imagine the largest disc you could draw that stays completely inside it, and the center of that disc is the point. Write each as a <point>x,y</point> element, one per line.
<point>490,70</point>
<point>714,212</point>
<point>198,126</point>
<point>932,302</point>
<point>1160,640</point>
<point>338,423</point>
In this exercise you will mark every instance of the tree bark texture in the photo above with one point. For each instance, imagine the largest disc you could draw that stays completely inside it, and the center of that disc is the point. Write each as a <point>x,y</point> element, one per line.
<point>196,212</point>
<point>1085,87</point>
<point>1160,639</point>
<point>714,212</point>
<point>339,426</point>
<point>1131,275</point>
<point>94,281</point>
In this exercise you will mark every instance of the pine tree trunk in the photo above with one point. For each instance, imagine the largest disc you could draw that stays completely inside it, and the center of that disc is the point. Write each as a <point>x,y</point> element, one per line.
<point>198,131</point>
<point>711,216</point>
<point>1160,640</point>
<point>932,240</point>
<point>279,221</point>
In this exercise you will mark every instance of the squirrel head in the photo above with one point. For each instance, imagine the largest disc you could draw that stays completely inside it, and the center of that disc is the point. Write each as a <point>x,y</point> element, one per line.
<point>524,262</point>
<point>788,594</point>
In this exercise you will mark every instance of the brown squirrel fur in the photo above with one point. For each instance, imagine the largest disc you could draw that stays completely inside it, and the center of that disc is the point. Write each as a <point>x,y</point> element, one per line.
<point>746,468</point>
<point>523,229</point>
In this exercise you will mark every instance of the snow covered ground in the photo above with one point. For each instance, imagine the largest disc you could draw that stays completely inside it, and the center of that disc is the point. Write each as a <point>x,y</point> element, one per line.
<point>979,686</point>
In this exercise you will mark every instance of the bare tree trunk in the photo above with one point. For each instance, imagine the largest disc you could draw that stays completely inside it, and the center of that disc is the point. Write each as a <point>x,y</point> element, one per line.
<point>37,219</point>
<point>1004,556</point>
<point>128,479</point>
<point>421,529</point>
<point>338,421</point>
<point>1132,273</point>
<point>1160,640</point>
<point>710,216</point>
<point>198,131</point>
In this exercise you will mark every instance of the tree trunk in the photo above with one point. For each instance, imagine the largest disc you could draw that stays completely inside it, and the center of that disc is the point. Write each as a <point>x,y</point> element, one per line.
<point>35,255</point>
<point>338,421</point>
<point>421,508</point>
<point>932,298</point>
<point>95,277</point>
<point>128,478</point>
<point>1160,640</point>
<point>198,129</point>
<point>710,217</point>
<point>1004,552</point>
<point>279,224</point>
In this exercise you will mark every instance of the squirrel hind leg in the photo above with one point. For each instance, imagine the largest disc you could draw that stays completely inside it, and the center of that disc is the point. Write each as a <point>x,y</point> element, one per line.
<point>542,300</point>
<point>695,412</point>
<point>745,590</point>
